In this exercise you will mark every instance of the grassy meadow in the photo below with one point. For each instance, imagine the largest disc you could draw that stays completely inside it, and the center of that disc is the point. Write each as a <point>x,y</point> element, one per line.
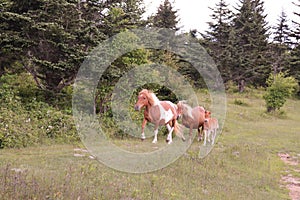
<point>243,164</point>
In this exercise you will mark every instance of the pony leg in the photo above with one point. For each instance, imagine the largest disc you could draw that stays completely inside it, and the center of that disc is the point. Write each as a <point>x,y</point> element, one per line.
<point>200,132</point>
<point>205,135</point>
<point>143,128</point>
<point>214,131</point>
<point>169,138</point>
<point>155,134</point>
<point>190,134</point>
<point>143,137</point>
<point>169,130</point>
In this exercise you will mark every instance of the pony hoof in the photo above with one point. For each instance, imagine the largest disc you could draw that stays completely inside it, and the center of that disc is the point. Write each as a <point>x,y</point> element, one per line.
<point>142,139</point>
<point>169,141</point>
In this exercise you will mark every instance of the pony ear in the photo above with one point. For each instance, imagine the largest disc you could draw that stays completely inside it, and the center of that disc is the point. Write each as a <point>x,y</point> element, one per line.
<point>144,91</point>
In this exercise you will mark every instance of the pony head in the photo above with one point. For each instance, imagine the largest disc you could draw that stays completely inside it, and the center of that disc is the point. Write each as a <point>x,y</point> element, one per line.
<point>184,109</point>
<point>180,108</point>
<point>207,115</point>
<point>145,98</point>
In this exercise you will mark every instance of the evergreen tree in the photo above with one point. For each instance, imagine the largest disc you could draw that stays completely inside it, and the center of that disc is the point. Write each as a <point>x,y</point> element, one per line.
<point>249,45</point>
<point>296,24</point>
<point>219,28</point>
<point>12,39</point>
<point>122,15</point>
<point>279,49</point>
<point>217,38</point>
<point>282,33</point>
<point>166,17</point>
<point>53,37</point>
<point>295,53</point>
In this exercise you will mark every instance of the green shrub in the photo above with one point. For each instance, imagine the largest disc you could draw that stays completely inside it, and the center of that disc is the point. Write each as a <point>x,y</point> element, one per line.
<point>240,102</point>
<point>279,89</point>
<point>26,119</point>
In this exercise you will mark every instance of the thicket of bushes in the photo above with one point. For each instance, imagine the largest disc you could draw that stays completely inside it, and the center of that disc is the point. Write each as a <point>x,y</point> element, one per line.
<point>30,116</point>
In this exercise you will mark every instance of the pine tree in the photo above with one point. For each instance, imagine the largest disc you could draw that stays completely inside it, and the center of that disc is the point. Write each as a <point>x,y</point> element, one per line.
<point>249,62</point>
<point>123,15</point>
<point>12,39</point>
<point>279,49</point>
<point>220,26</point>
<point>282,33</point>
<point>217,38</point>
<point>295,53</point>
<point>166,16</point>
<point>52,37</point>
<point>296,24</point>
<point>166,19</point>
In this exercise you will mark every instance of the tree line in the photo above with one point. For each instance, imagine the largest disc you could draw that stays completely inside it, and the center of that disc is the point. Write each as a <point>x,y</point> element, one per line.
<point>244,46</point>
<point>50,40</point>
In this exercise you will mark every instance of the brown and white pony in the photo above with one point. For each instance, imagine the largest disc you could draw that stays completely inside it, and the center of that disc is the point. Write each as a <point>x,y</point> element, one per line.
<point>159,113</point>
<point>210,128</point>
<point>192,118</point>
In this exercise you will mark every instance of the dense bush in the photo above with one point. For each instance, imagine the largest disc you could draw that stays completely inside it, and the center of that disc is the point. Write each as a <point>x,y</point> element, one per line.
<point>279,89</point>
<point>26,119</point>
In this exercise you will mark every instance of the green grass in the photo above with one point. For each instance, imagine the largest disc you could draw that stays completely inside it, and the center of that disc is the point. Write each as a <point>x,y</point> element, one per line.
<point>243,164</point>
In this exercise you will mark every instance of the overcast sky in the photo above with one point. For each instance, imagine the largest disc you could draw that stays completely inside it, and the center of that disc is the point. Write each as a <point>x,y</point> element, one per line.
<point>194,14</point>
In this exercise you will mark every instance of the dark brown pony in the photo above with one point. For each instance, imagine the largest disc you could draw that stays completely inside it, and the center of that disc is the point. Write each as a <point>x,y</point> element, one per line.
<point>159,113</point>
<point>192,118</point>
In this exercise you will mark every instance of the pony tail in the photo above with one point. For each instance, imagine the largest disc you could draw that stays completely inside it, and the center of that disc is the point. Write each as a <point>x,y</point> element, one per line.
<point>178,130</point>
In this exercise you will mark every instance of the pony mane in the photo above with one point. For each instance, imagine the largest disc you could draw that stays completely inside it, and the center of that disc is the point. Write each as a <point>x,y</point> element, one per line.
<point>188,108</point>
<point>152,98</point>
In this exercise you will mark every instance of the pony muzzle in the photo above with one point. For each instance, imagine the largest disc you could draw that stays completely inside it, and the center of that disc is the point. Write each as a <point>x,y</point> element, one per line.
<point>137,108</point>
<point>178,116</point>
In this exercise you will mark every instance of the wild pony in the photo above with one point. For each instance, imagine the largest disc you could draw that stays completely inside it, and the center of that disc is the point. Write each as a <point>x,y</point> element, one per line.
<point>192,118</point>
<point>210,128</point>
<point>159,113</point>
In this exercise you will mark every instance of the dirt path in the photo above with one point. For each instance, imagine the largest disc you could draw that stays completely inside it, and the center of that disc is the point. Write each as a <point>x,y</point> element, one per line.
<point>291,182</point>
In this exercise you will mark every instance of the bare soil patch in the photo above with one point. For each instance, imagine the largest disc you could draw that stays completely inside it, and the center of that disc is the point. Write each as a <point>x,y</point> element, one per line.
<point>291,182</point>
